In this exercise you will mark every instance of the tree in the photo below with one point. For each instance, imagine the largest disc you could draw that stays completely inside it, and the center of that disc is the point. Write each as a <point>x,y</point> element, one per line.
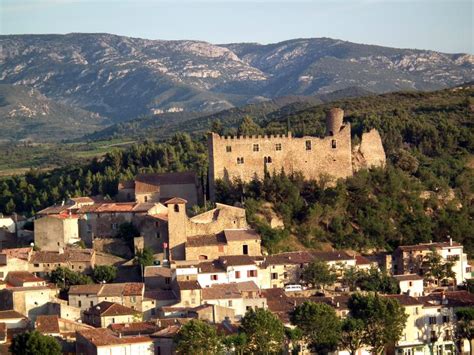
<point>352,335</point>
<point>377,281</point>
<point>318,273</point>
<point>351,277</point>
<point>436,269</point>
<point>264,331</point>
<point>383,317</point>
<point>465,326</point>
<point>143,258</point>
<point>197,337</point>
<point>104,273</point>
<point>248,127</point>
<point>319,323</point>
<point>34,343</point>
<point>64,278</point>
<point>235,343</point>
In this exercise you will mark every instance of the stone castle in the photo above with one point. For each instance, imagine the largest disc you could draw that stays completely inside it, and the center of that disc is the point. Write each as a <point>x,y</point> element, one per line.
<point>247,157</point>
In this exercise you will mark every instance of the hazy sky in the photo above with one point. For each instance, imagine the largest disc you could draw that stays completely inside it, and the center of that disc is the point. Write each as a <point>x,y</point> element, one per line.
<point>444,25</point>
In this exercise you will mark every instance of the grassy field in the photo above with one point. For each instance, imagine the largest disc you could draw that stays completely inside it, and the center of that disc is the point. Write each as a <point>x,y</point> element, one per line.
<point>21,157</point>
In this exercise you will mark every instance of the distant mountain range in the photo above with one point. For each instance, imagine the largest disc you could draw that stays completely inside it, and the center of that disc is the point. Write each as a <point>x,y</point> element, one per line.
<point>26,114</point>
<point>122,77</point>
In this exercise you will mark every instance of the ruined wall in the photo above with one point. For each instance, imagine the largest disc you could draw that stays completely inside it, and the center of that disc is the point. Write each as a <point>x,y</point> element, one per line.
<point>54,233</point>
<point>370,153</point>
<point>311,156</point>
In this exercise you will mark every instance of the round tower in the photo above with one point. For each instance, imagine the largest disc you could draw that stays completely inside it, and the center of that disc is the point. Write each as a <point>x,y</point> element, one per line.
<point>334,120</point>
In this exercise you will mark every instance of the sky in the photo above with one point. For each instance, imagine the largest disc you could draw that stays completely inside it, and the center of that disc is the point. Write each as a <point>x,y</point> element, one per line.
<point>442,25</point>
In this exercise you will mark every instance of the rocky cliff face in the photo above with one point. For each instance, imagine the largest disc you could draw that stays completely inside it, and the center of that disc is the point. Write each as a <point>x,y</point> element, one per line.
<point>122,77</point>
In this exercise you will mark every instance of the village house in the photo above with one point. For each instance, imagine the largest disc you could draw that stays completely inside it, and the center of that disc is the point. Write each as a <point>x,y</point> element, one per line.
<point>411,284</point>
<point>62,329</point>
<point>161,187</point>
<point>24,279</point>
<point>129,294</point>
<point>29,301</point>
<point>75,259</point>
<point>14,320</point>
<point>408,259</point>
<point>103,341</point>
<point>15,259</point>
<point>56,232</point>
<point>105,313</point>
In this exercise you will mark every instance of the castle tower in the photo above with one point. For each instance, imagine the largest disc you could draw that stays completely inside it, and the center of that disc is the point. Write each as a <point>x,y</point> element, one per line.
<point>334,121</point>
<point>177,221</point>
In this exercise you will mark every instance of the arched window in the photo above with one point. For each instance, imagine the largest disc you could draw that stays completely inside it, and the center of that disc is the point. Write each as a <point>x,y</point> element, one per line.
<point>269,159</point>
<point>176,208</point>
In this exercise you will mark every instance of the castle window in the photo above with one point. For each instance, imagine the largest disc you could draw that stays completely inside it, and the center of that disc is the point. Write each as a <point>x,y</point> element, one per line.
<point>256,147</point>
<point>240,160</point>
<point>308,145</point>
<point>267,160</point>
<point>228,149</point>
<point>333,144</point>
<point>176,208</point>
<point>278,146</point>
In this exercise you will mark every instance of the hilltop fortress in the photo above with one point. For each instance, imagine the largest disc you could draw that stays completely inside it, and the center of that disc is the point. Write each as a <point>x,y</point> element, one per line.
<point>247,157</point>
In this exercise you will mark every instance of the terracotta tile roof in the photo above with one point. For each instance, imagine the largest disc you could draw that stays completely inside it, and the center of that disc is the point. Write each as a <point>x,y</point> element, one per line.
<point>189,285</point>
<point>208,267</point>
<point>69,255</point>
<point>47,324</point>
<point>179,178</point>
<point>110,309</point>
<point>83,199</point>
<point>166,322</point>
<point>206,240</point>
<point>160,216</point>
<point>428,246</point>
<point>405,300</point>
<point>297,257</point>
<point>152,271</point>
<point>92,289</point>
<point>279,303</point>
<point>247,286</point>
<point>23,276</point>
<point>64,216</point>
<point>160,295</point>
<point>337,255</point>
<point>237,235</point>
<point>55,209</point>
<point>176,200</point>
<point>168,332</point>
<point>236,260</point>
<point>18,253</point>
<point>133,289</point>
<point>451,298</point>
<point>410,277</point>
<point>11,314</point>
<point>362,260</point>
<point>105,337</point>
<point>221,291</point>
<point>117,207</point>
<point>135,328</point>
<point>144,187</point>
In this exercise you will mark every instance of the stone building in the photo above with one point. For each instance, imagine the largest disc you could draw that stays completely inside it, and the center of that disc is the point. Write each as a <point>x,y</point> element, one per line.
<point>249,157</point>
<point>56,232</point>
<point>161,187</point>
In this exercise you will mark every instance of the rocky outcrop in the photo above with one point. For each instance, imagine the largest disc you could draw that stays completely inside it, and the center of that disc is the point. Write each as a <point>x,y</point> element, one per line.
<point>369,153</point>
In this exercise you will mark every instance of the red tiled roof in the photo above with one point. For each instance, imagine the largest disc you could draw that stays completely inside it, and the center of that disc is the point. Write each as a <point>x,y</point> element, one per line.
<point>410,277</point>
<point>205,240</point>
<point>176,200</point>
<point>108,309</point>
<point>362,260</point>
<point>134,328</point>
<point>189,285</point>
<point>18,253</point>
<point>221,291</point>
<point>405,300</point>
<point>236,260</point>
<point>160,216</point>
<point>11,314</point>
<point>105,337</point>
<point>428,246</point>
<point>69,255</point>
<point>129,184</point>
<point>24,276</point>
<point>112,289</point>
<point>236,235</point>
<point>152,271</point>
<point>451,298</point>
<point>47,324</point>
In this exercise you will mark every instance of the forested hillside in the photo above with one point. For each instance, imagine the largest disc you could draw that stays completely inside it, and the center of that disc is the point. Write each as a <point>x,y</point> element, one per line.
<point>425,193</point>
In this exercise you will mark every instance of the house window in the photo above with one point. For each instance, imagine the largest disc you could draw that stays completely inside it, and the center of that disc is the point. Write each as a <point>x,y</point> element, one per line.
<point>445,319</point>
<point>252,273</point>
<point>80,267</point>
<point>228,149</point>
<point>214,277</point>
<point>410,283</point>
<point>308,145</point>
<point>176,208</point>
<point>79,303</point>
<point>167,280</point>
<point>333,144</point>
<point>245,249</point>
<point>447,335</point>
<point>157,235</point>
<point>240,160</point>
<point>237,274</point>
<point>113,320</point>
<point>278,146</point>
<point>92,303</point>
<point>220,248</point>
<point>114,225</point>
<point>432,320</point>
<point>256,147</point>
<point>267,160</point>
<point>274,276</point>
<point>133,299</point>
<point>229,303</point>
<point>36,265</point>
<point>146,198</point>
